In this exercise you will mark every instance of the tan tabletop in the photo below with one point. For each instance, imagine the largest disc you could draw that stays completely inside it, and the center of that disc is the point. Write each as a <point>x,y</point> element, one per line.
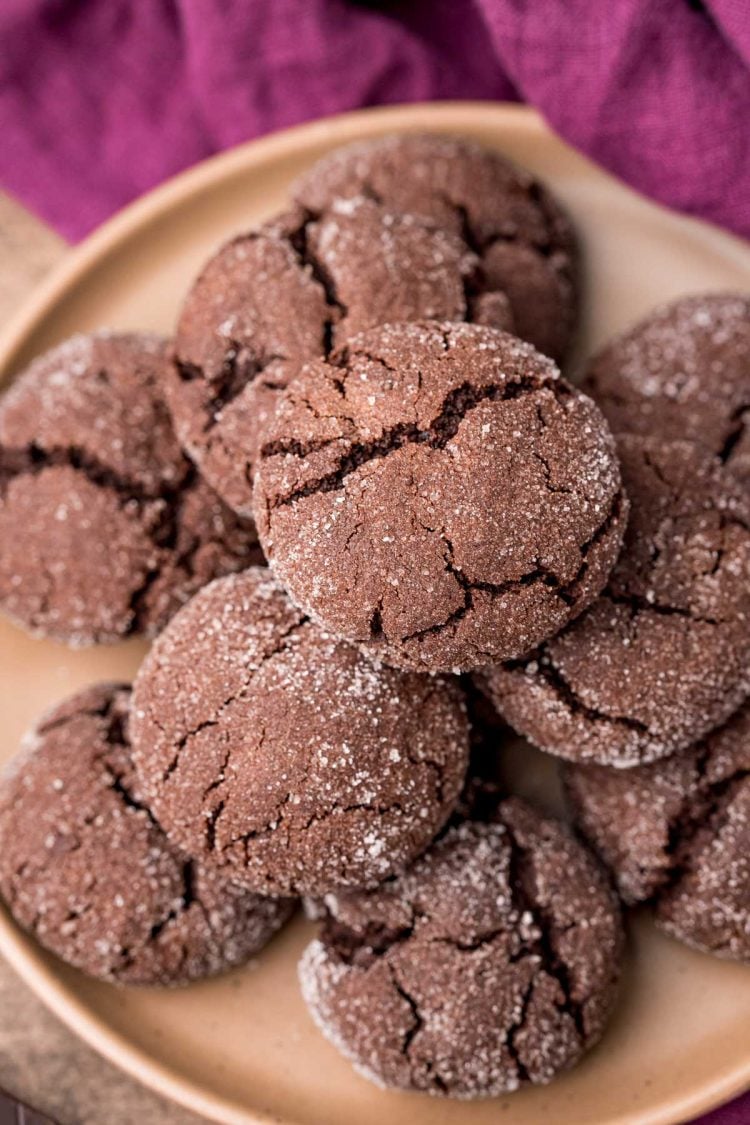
<point>40,1060</point>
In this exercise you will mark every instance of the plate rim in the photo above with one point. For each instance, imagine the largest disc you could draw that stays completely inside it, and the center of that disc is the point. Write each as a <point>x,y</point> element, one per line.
<point>450,116</point>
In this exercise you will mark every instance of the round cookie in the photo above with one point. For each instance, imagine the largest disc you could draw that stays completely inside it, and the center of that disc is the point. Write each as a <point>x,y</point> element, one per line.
<point>683,373</point>
<point>491,962</point>
<point>278,754</point>
<point>524,240</point>
<point>662,657</point>
<point>290,291</point>
<point>676,833</point>
<point>88,871</point>
<point>439,495</point>
<point>105,527</point>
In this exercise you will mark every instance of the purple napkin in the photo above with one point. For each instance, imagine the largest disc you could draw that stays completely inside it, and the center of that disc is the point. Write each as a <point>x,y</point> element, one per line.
<point>100,101</point>
<point>735,1113</point>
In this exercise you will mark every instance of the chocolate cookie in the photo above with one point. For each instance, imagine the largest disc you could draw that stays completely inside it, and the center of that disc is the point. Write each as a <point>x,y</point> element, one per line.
<point>491,962</point>
<point>484,785</point>
<point>438,494</point>
<point>274,752</point>
<point>523,239</point>
<point>676,834</point>
<point>662,657</point>
<point>105,527</point>
<point>88,871</point>
<point>289,292</point>
<point>683,373</point>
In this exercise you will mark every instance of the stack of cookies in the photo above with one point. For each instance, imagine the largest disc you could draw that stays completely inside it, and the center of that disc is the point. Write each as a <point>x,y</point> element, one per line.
<point>364,394</point>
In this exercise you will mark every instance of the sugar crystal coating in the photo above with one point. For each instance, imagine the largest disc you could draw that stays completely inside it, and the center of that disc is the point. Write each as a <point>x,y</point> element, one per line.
<point>523,239</point>
<point>438,494</point>
<point>662,657</point>
<point>290,291</point>
<point>276,753</point>
<point>676,833</point>
<point>683,372</point>
<point>85,867</point>
<point>105,527</point>
<point>491,962</point>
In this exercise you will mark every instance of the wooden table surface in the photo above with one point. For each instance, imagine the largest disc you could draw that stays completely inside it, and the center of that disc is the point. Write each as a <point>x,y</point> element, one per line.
<point>40,1060</point>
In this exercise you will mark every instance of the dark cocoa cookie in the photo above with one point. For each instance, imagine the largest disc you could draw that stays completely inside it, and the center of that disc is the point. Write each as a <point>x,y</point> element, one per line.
<point>88,871</point>
<point>491,962</point>
<point>105,527</point>
<point>662,657</point>
<point>523,239</point>
<point>274,752</point>
<point>436,493</point>
<point>676,834</point>
<point>683,373</point>
<point>484,787</point>
<point>289,292</point>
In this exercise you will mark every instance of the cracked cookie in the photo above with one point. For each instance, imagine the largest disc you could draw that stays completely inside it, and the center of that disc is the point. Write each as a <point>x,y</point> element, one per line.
<point>683,373</point>
<point>87,870</point>
<point>662,657</point>
<point>437,493</point>
<point>484,786</point>
<point>492,962</point>
<point>290,291</point>
<point>524,241</point>
<point>272,751</point>
<point>105,527</point>
<point>676,834</point>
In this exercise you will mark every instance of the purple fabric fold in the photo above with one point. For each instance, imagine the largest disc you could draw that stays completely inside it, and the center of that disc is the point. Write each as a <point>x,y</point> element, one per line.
<point>100,101</point>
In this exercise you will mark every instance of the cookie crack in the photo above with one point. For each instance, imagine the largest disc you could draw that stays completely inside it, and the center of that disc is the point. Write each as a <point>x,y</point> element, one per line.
<point>282,645</point>
<point>34,460</point>
<point>438,770</point>
<point>479,941</point>
<point>417,1021</point>
<point>164,534</point>
<point>617,509</point>
<point>735,432</point>
<point>567,592</point>
<point>539,574</point>
<point>92,712</point>
<point>707,807</point>
<point>241,366</point>
<point>363,946</point>
<point>115,736</point>
<point>554,678</point>
<point>658,472</point>
<point>221,773</point>
<point>515,1029</point>
<point>186,899</point>
<point>521,880</point>
<point>212,818</point>
<point>296,448</point>
<point>299,242</point>
<point>638,604</point>
<point>161,510</point>
<point>335,810</point>
<point>456,405</point>
<point>244,363</point>
<point>480,246</point>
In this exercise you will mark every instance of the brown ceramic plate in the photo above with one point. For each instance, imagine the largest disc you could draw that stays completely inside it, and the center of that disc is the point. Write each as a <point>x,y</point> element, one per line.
<point>242,1048</point>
